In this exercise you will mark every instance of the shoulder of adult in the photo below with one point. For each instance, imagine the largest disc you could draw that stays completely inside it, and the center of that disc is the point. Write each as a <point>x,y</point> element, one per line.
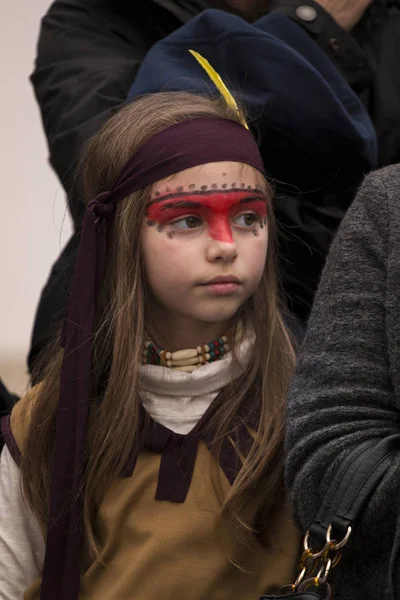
<point>15,427</point>
<point>378,197</point>
<point>387,179</point>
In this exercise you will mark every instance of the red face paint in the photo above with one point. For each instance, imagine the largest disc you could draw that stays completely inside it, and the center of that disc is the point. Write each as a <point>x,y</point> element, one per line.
<point>216,207</point>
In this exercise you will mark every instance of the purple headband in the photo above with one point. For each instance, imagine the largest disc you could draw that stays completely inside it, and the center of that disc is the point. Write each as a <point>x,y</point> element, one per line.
<point>187,144</point>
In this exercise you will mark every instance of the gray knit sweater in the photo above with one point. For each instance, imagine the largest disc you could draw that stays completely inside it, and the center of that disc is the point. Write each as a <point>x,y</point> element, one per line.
<point>347,385</point>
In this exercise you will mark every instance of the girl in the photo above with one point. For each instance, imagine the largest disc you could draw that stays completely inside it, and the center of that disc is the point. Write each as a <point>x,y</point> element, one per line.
<point>151,455</point>
<point>346,390</point>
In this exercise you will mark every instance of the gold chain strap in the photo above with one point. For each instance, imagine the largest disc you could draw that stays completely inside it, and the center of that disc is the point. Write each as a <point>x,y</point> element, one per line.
<point>315,566</point>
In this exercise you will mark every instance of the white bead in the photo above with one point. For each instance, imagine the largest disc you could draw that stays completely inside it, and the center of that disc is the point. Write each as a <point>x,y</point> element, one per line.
<point>206,347</point>
<point>183,354</point>
<point>187,361</point>
<point>227,347</point>
<point>208,356</point>
<point>168,355</point>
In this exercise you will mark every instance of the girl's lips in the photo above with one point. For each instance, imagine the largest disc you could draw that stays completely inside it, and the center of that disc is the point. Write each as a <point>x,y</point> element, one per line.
<point>222,288</point>
<point>223,279</point>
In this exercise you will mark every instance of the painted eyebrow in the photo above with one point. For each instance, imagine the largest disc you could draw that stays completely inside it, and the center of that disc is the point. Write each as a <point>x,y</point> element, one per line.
<point>258,194</point>
<point>191,204</point>
<point>182,204</point>
<point>252,199</point>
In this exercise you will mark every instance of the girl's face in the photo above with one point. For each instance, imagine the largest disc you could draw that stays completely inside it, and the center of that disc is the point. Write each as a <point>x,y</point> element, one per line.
<point>204,242</point>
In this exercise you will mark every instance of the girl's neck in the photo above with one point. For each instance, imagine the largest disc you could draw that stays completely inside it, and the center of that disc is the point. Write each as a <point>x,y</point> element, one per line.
<point>180,333</point>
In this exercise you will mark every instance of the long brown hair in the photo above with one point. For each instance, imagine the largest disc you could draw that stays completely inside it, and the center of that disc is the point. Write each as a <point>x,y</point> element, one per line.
<point>122,324</point>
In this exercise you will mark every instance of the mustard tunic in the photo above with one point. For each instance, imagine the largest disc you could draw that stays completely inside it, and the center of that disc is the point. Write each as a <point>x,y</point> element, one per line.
<point>156,547</point>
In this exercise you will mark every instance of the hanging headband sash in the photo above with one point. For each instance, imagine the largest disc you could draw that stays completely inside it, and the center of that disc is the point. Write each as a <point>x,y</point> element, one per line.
<point>187,144</point>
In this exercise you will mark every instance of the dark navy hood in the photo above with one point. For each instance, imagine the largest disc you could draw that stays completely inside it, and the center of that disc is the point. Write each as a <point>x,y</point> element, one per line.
<point>313,128</point>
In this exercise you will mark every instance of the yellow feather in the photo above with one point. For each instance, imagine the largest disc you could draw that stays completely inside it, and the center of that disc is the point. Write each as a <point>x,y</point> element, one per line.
<point>219,84</point>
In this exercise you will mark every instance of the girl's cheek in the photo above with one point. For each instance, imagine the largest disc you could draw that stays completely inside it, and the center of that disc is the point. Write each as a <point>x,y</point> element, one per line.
<point>258,245</point>
<point>169,247</point>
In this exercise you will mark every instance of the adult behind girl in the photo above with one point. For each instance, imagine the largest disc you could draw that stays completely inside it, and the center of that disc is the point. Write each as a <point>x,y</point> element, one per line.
<point>347,386</point>
<point>175,482</point>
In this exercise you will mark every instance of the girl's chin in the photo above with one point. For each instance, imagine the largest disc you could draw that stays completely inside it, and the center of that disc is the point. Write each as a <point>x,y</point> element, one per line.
<point>213,317</point>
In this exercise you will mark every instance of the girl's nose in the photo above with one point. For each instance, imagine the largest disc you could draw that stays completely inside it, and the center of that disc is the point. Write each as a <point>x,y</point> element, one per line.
<point>221,251</point>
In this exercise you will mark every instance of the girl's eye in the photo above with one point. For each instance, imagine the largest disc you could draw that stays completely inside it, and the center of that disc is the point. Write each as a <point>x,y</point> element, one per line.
<point>187,223</point>
<point>246,219</point>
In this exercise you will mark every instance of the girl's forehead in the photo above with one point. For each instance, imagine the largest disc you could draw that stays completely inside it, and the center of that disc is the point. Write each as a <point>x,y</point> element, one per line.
<point>220,175</point>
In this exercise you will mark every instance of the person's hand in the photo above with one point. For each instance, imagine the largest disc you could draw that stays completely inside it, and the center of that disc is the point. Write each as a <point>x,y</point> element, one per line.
<point>345,12</point>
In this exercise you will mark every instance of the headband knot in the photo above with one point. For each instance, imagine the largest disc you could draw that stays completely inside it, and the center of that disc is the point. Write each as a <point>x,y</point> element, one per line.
<point>102,206</point>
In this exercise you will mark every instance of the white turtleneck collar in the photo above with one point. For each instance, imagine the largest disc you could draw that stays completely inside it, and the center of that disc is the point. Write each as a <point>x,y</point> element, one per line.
<point>177,399</point>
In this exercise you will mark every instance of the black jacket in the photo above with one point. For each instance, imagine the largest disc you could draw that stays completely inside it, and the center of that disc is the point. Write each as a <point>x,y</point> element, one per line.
<point>88,55</point>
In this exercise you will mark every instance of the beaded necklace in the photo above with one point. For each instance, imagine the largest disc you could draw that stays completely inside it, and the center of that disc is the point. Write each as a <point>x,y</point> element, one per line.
<point>186,360</point>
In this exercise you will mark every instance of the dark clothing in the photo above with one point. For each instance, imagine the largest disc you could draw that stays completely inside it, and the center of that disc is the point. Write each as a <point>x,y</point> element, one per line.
<point>347,385</point>
<point>367,58</point>
<point>7,400</point>
<point>380,39</point>
<point>88,56</point>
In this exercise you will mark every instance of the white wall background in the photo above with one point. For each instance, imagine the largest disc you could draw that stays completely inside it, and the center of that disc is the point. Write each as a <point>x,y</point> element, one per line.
<point>33,221</point>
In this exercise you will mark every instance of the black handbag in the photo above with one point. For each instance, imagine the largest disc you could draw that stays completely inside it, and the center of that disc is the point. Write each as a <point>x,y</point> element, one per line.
<point>347,496</point>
